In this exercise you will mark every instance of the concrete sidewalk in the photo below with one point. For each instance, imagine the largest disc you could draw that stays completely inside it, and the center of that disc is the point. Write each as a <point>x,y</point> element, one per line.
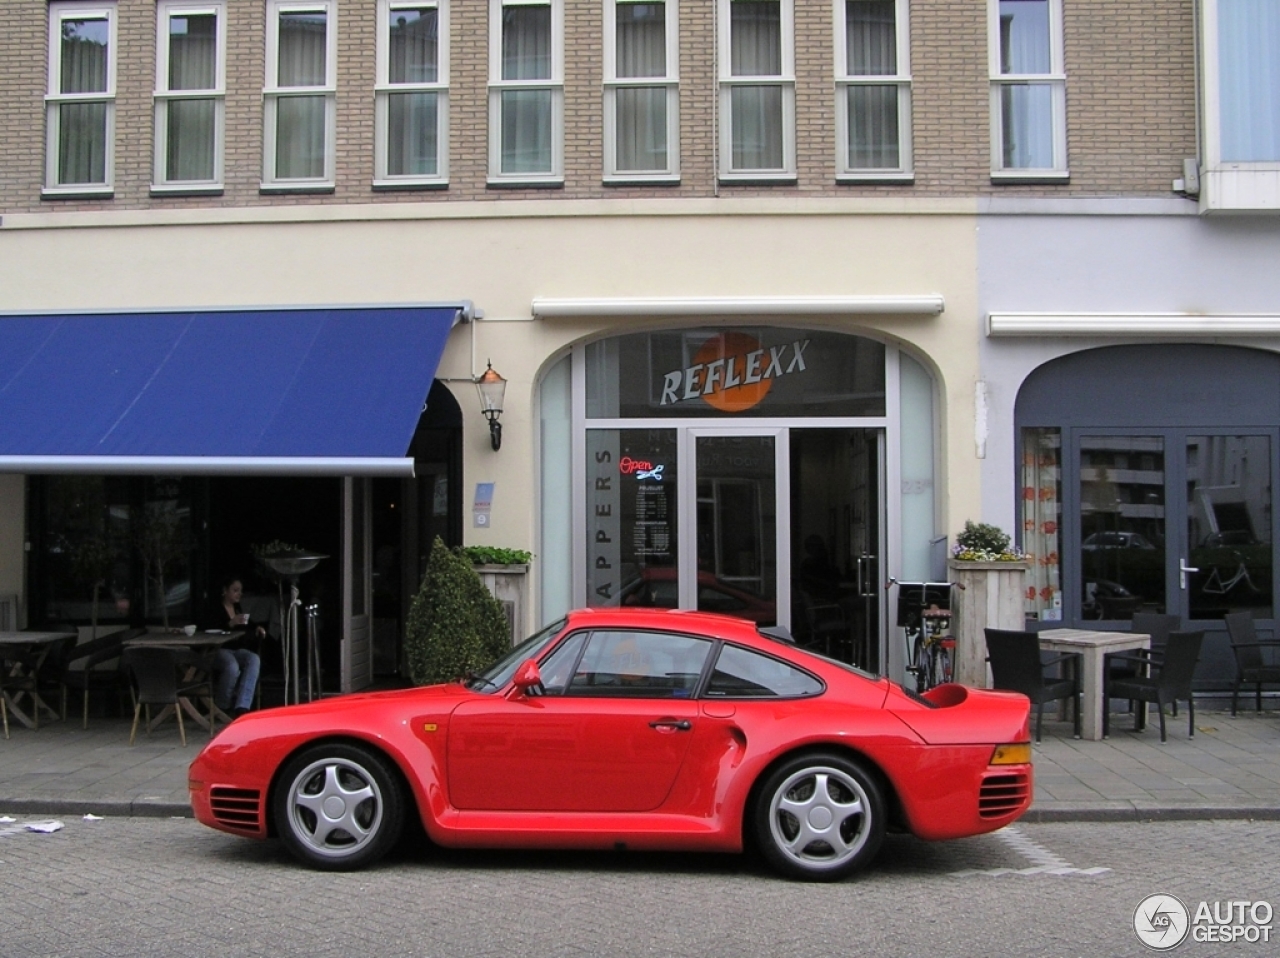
<point>1230,769</point>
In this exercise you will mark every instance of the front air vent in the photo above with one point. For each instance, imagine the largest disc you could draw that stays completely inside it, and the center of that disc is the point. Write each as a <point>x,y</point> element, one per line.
<point>237,807</point>
<point>1003,794</point>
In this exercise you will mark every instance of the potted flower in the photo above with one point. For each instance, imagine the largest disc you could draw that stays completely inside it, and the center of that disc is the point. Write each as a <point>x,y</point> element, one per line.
<point>990,571</point>
<point>982,542</point>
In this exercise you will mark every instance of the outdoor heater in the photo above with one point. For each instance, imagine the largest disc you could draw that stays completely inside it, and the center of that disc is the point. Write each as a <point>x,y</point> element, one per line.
<point>287,567</point>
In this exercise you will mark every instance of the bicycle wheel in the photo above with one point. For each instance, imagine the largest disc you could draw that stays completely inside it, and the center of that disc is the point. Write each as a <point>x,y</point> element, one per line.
<point>942,665</point>
<point>923,667</point>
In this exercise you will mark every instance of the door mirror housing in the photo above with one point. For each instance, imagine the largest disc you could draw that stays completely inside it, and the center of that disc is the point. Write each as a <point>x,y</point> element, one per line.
<point>528,679</point>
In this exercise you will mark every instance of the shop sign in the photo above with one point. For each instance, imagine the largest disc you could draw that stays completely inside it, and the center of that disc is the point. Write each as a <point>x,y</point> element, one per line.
<point>733,372</point>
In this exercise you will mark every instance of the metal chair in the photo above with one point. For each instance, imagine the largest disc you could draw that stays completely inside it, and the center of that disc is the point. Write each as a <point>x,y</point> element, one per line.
<point>1165,682</point>
<point>1018,666</point>
<point>1251,666</point>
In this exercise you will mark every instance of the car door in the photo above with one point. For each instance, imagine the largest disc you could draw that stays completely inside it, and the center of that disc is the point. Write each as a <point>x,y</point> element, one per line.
<point>610,734</point>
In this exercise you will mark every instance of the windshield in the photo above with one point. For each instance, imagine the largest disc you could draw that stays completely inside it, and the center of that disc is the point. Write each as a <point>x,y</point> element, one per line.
<point>499,674</point>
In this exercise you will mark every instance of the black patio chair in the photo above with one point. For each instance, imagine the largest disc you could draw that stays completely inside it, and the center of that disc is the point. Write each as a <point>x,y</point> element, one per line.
<point>153,677</point>
<point>1158,625</point>
<point>84,671</point>
<point>1251,665</point>
<point>1165,681</point>
<point>1017,665</point>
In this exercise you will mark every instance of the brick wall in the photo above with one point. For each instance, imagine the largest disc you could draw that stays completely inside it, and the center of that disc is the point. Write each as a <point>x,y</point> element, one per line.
<point>1130,106</point>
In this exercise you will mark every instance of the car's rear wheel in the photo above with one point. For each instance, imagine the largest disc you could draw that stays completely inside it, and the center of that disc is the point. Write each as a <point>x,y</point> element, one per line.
<point>820,817</point>
<point>338,807</point>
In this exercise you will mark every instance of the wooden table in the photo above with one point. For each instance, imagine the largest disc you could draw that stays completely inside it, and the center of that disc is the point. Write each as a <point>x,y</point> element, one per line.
<point>1093,646</point>
<point>160,638</point>
<point>37,645</point>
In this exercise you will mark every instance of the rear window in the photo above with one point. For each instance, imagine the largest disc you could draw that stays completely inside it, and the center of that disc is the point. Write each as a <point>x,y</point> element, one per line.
<point>741,673</point>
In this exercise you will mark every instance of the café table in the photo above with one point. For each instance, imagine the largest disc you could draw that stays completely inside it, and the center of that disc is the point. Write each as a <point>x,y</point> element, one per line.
<point>196,643</point>
<point>1093,646</point>
<point>21,652</point>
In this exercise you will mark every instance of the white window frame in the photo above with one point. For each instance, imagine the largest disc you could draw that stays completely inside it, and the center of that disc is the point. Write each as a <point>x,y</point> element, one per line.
<point>1055,79</point>
<point>1235,184</point>
<point>845,170</point>
<point>55,98</point>
<point>497,86</point>
<point>613,83</point>
<point>384,88</point>
<point>728,83</point>
<point>272,93</point>
<point>165,10</point>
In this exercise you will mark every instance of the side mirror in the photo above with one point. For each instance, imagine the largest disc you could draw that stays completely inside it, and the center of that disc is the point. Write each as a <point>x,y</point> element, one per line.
<point>528,679</point>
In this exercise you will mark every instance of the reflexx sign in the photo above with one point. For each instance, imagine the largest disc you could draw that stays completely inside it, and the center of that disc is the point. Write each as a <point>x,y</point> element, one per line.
<point>733,372</point>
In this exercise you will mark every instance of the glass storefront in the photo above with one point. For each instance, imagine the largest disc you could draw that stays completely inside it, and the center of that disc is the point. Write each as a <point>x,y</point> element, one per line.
<point>740,471</point>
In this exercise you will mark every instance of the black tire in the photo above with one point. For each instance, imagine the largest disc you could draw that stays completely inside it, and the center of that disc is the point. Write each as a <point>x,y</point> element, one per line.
<point>338,807</point>
<point>843,823</point>
<point>923,665</point>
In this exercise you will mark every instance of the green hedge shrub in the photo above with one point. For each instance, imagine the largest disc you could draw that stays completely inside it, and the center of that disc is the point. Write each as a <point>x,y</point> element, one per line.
<point>455,626</point>
<point>495,555</point>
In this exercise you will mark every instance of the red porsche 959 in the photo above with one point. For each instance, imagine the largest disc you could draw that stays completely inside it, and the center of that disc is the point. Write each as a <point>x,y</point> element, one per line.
<point>629,728</point>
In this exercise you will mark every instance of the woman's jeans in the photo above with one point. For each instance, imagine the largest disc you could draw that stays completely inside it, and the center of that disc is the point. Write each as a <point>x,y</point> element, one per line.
<point>235,677</point>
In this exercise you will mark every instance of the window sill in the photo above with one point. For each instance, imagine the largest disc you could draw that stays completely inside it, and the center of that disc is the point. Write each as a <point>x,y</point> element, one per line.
<point>78,193</point>
<point>275,189</point>
<point>390,186</point>
<point>758,179</point>
<point>665,179</point>
<point>1030,176</point>
<point>905,177</point>
<point>554,183</point>
<point>210,190</point>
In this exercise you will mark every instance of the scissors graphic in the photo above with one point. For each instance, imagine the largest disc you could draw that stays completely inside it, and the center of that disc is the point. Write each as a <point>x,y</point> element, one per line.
<point>655,474</point>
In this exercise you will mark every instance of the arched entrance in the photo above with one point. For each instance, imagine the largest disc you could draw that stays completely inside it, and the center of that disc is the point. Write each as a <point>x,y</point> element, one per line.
<point>1148,483</point>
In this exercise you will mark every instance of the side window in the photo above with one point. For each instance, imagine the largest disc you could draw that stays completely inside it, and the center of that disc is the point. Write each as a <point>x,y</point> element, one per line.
<point>740,673</point>
<point>557,668</point>
<point>640,665</point>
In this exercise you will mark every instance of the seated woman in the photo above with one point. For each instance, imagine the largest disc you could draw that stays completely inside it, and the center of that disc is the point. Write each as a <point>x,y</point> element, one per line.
<point>235,665</point>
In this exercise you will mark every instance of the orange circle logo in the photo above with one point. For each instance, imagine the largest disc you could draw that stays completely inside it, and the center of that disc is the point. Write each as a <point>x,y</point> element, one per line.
<point>733,352</point>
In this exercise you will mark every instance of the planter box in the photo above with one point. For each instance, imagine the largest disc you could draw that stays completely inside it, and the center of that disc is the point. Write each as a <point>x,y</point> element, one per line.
<point>992,597</point>
<point>509,585</point>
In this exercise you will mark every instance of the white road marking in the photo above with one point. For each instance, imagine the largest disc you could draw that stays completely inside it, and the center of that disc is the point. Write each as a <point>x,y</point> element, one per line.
<point>1044,861</point>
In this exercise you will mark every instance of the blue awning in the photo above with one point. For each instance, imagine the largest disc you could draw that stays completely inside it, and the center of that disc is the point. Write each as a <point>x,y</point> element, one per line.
<point>334,391</point>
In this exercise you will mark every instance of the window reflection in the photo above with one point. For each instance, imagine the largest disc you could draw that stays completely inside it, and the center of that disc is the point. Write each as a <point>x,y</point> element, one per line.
<point>1229,525</point>
<point>1122,525</point>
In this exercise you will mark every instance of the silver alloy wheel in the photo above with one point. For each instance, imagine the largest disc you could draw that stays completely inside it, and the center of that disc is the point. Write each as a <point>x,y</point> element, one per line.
<point>819,817</point>
<point>335,808</point>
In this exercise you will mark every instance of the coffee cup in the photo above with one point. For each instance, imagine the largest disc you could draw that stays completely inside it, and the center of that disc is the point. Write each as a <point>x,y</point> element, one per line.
<point>189,629</point>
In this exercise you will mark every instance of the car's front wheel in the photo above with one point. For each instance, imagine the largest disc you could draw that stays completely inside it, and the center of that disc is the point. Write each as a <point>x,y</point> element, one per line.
<point>338,807</point>
<point>820,817</point>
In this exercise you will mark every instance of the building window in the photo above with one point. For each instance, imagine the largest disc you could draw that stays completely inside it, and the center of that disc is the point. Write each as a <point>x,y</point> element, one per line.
<point>81,102</point>
<point>300,93</point>
<point>526,91</point>
<point>757,90</point>
<point>1240,48</point>
<point>1028,90</point>
<point>873,83</point>
<point>412,92</point>
<point>641,90</point>
<point>190,95</point>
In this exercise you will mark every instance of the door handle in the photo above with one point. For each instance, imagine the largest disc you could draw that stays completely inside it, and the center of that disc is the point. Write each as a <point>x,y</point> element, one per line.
<point>678,725</point>
<point>1183,569</point>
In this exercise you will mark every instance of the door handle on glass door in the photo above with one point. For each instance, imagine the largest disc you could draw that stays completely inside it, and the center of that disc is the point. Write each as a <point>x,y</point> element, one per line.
<point>1183,569</point>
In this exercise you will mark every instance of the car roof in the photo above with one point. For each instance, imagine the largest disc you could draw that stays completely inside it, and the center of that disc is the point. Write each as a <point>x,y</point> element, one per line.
<point>709,624</point>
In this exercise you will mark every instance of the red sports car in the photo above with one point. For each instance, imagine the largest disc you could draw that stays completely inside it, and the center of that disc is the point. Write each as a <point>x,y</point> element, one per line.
<point>629,728</point>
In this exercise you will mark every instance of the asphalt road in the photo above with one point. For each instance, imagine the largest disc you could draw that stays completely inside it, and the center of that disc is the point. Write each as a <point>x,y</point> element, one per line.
<point>169,887</point>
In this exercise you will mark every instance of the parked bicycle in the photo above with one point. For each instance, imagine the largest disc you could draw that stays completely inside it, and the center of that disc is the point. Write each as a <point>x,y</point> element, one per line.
<point>924,613</point>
